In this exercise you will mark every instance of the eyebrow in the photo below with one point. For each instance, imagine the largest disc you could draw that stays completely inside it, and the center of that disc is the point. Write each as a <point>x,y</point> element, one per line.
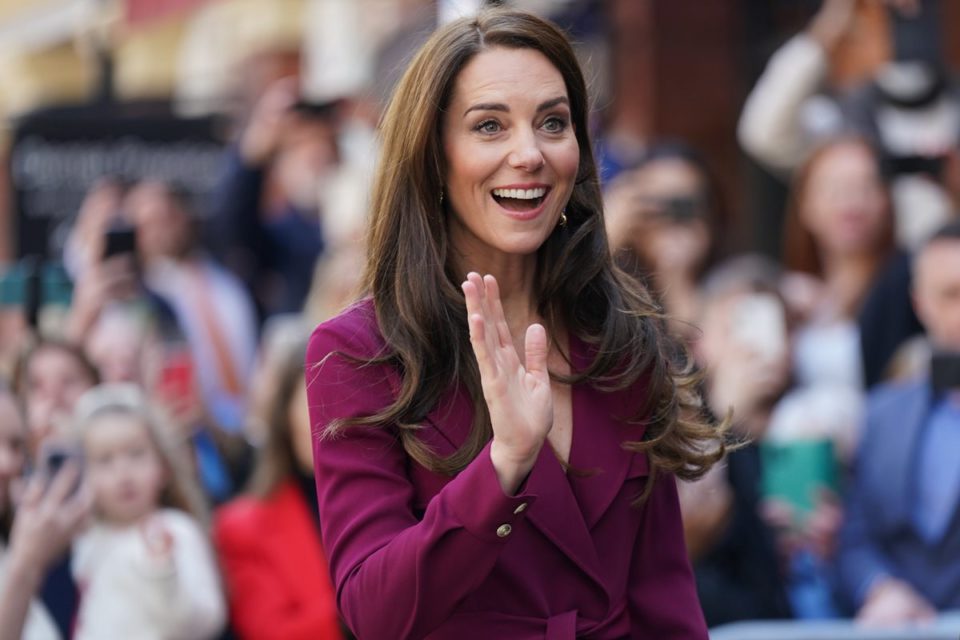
<point>499,106</point>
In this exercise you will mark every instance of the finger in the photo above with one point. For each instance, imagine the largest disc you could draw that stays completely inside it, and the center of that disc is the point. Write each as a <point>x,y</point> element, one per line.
<point>490,333</point>
<point>496,308</point>
<point>480,348</point>
<point>477,281</point>
<point>27,492</point>
<point>535,347</point>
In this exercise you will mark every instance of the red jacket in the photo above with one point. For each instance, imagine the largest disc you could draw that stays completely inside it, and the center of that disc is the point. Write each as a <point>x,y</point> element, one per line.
<point>278,583</point>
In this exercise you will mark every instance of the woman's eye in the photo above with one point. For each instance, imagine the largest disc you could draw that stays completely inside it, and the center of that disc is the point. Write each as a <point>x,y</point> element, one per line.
<point>554,124</point>
<point>488,126</point>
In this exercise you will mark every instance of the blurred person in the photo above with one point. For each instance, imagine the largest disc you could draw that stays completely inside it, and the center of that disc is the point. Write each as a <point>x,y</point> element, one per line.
<point>468,467</point>
<point>211,305</point>
<point>744,354</point>
<point>838,235</point>
<point>145,566</point>
<point>49,378</point>
<point>909,109</point>
<point>267,209</point>
<point>123,345</point>
<point>35,530</point>
<point>279,586</point>
<point>664,219</point>
<point>898,545</point>
<point>104,262</point>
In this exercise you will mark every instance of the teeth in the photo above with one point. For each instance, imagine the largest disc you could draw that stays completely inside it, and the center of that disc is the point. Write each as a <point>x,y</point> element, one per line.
<point>520,194</point>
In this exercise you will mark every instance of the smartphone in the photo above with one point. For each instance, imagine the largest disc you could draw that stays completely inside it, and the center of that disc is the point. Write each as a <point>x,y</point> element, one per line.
<point>760,325</point>
<point>119,241</point>
<point>53,457</point>
<point>681,209</point>
<point>176,380</point>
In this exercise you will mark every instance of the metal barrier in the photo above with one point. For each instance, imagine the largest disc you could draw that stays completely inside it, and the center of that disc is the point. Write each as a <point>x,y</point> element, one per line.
<point>946,627</point>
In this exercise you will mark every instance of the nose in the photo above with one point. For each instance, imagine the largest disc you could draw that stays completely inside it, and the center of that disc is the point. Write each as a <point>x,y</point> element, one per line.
<point>526,154</point>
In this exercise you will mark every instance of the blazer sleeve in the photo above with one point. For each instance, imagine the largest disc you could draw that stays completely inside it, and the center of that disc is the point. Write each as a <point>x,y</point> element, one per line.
<point>261,605</point>
<point>395,576</point>
<point>662,593</point>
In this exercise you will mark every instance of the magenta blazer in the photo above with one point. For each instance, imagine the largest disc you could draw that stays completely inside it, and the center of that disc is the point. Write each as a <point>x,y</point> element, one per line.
<point>415,554</point>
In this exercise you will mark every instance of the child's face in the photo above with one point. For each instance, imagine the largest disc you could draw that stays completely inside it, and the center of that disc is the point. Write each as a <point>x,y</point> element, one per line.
<point>124,467</point>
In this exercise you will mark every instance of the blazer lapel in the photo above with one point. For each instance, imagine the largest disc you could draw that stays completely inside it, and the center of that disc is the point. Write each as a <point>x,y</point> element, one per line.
<point>599,462</point>
<point>557,514</point>
<point>899,468</point>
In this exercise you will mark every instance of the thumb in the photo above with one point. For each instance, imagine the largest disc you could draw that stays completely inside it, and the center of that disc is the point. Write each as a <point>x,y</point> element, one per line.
<point>535,348</point>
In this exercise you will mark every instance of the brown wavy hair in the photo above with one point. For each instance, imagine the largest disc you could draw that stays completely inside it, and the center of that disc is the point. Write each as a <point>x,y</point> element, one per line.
<point>420,308</point>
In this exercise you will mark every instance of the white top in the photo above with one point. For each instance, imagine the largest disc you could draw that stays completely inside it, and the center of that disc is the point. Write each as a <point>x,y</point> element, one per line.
<point>126,592</point>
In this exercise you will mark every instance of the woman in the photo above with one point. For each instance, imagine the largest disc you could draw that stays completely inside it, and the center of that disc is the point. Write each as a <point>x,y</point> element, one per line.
<point>278,585</point>
<point>50,375</point>
<point>664,219</point>
<point>50,511</point>
<point>838,233</point>
<point>837,236</point>
<point>526,489</point>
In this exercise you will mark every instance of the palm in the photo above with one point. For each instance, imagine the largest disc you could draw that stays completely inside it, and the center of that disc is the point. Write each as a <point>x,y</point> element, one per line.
<point>518,397</point>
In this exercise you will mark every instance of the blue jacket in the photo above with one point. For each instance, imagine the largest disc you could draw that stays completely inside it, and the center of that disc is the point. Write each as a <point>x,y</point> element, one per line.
<point>879,536</point>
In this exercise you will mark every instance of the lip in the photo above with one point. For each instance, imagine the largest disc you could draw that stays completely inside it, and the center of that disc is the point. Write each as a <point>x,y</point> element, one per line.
<point>523,215</point>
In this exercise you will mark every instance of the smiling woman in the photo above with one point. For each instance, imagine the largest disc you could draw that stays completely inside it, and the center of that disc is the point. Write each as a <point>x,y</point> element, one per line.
<point>498,423</point>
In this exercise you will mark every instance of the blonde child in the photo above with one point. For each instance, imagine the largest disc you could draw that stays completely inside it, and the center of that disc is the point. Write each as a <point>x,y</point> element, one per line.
<point>145,568</point>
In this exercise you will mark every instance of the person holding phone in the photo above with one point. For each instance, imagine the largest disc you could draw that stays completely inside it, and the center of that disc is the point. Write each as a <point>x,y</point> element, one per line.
<point>664,219</point>
<point>36,527</point>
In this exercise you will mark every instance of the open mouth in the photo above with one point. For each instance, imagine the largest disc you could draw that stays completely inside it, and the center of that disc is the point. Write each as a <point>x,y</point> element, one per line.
<point>520,199</point>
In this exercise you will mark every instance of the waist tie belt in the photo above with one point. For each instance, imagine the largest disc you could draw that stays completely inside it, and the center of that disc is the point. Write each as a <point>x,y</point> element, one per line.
<point>562,626</point>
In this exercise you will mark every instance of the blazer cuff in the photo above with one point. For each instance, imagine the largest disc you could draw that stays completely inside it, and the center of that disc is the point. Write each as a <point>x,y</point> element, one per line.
<point>480,503</point>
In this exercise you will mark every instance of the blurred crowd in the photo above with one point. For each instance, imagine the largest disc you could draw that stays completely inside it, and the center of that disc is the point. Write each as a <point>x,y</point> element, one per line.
<point>155,448</point>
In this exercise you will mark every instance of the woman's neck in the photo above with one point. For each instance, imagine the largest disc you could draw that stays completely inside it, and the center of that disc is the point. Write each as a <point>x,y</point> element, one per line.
<point>515,278</point>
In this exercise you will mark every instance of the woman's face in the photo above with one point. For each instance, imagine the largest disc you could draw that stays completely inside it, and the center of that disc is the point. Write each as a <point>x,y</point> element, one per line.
<point>844,205</point>
<point>12,447</point>
<point>673,235</point>
<point>53,383</point>
<point>124,468</point>
<point>511,153</point>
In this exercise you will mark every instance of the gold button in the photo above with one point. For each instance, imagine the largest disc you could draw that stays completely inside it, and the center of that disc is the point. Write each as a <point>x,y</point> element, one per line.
<point>520,508</point>
<point>504,530</point>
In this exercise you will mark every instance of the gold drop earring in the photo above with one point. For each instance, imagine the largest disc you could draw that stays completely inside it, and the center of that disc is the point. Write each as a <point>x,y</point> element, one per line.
<point>563,218</point>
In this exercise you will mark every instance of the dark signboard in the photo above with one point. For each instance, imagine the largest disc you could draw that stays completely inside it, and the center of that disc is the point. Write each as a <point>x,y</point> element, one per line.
<point>58,154</point>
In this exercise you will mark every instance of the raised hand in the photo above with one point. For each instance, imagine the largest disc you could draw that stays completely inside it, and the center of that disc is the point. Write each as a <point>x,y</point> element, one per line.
<point>517,393</point>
